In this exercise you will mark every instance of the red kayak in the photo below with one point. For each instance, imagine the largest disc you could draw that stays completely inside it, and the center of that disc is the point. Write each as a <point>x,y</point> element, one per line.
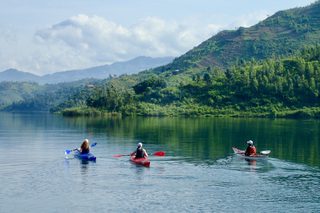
<point>140,161</point>
<point>263,155</point>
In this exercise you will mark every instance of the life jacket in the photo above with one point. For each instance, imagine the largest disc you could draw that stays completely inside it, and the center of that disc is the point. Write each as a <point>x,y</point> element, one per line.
<point>85,151</point>
<point>251,150</point>
<point>139,153</point>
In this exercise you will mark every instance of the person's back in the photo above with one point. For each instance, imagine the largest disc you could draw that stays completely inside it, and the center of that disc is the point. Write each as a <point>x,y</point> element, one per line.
<point>251,149</point>
<point>140,152</point>
<point>85,148</point>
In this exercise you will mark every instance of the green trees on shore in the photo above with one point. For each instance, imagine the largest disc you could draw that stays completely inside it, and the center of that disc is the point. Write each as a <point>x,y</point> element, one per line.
<point>254,88</point>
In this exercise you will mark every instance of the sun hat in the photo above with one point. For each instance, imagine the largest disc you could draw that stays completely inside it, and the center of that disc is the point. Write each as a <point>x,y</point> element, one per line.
<point>250,142</point>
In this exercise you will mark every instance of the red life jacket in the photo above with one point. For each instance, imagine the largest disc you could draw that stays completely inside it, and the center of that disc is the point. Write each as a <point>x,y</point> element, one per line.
<point>251,150</point>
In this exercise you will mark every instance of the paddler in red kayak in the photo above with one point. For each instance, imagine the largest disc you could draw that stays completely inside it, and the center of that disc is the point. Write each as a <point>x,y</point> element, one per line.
<point>251,149</point>
<point>140,152</point>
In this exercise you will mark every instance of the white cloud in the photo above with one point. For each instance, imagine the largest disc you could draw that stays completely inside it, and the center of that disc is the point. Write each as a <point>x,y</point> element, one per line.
<point>249,19</point>
<point>84,41</point>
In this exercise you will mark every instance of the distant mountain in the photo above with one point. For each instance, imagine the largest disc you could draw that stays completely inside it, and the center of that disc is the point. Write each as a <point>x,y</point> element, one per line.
<point>268,68</point>
<point>281,34</point>
<point>16,75</point>
<point>100,72</point>
<point>11,92</point>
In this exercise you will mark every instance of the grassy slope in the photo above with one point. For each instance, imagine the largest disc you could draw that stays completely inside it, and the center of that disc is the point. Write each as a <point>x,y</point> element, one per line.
<point>281,34</point>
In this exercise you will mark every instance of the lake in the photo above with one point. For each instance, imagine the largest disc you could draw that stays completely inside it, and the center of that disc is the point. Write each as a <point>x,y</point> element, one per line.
<point>199,173</point>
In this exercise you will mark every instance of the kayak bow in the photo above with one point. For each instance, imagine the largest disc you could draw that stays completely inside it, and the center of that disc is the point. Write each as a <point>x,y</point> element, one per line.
<point>87,157</point>
<point>140,161</point>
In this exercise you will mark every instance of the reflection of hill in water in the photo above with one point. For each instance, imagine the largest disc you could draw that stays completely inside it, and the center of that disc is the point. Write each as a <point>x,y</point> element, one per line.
<point>212,138</point>
<point>203,139</point>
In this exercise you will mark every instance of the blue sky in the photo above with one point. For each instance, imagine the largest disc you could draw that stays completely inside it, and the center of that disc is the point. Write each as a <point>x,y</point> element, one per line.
<point>54,35</point>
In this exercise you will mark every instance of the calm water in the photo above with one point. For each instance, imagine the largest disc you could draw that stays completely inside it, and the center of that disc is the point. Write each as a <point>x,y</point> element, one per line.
<point>199,173</point>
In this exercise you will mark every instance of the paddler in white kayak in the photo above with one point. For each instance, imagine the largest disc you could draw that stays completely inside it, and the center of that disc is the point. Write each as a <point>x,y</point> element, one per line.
<point>251,149</point>
<point>140,152</point>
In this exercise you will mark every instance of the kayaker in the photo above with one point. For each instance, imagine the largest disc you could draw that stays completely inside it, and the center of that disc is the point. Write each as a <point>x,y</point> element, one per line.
<point>140,152</point>
<point>251,149</point>
<point>85,147</point>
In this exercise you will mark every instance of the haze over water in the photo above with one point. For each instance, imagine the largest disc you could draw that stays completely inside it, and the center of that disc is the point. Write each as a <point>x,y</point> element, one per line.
<point>198,174</point>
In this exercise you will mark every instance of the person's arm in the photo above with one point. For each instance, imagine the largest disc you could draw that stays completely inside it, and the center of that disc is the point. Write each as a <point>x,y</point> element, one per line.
<point>145,153</point>
<point>246,153</point>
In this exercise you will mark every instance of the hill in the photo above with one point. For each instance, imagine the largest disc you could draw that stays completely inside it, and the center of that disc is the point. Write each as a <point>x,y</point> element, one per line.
<point>12,92</point>
<point>29,96</point>
<point>271,69</point>
<point>279,35</point>
<point>100,72</point>
<point>16,75</point>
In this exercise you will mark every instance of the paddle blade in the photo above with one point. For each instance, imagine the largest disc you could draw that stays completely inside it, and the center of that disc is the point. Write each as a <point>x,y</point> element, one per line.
<point>265,152</point>
<point>94,144</point>
<point>67,152</point>
<point>159,153</point>
<point>117,156</point>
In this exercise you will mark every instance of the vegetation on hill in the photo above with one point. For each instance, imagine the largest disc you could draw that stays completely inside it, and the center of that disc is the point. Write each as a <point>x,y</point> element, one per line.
<point>11,92</point>
<point>289,86</point>
<point>25,96</point>
<point>271,69</point>
<point>279,35</point>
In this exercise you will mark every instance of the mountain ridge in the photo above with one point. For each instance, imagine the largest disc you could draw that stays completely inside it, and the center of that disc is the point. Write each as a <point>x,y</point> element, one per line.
<point>98,72</point>
<point>278,35</point>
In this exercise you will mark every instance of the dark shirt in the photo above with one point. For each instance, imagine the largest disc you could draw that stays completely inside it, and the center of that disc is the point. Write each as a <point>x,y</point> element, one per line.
<point>139,153</point>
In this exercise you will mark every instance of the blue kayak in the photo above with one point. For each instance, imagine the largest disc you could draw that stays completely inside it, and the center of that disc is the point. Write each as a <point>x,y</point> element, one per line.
<point>87,157</point>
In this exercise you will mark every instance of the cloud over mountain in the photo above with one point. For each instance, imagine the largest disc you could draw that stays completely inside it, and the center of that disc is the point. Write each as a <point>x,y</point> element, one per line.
<point>84,41</point>
<point>104,41</point>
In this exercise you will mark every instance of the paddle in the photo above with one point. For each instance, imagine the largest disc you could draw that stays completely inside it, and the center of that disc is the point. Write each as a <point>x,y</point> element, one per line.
<point>265,152</point>
<point>68,151</point>
<point>158,153</point>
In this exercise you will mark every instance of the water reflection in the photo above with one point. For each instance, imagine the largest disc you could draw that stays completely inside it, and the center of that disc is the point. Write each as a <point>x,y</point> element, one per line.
<point>84,165</point>
<point>198,174</point>
<point>251,162</point>
<point>139,171</point>
<point>196,139</point>
<point>208,139</point>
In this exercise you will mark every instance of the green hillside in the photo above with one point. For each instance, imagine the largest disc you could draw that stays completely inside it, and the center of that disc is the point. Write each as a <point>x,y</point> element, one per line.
<point>25,96</point>
<point>12,92</point>
<point>271,69</point>
<point>281,34</point>
<point>284,87</point>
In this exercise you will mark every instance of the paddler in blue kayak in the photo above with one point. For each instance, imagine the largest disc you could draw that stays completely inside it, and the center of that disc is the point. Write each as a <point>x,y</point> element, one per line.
<point>140,152</point>
<point>251,149</point>
<point>85,147</point>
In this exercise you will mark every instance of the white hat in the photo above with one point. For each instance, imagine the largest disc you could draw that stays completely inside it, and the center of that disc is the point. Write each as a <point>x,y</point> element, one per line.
<point>139,144</point>
<point>250,142</point>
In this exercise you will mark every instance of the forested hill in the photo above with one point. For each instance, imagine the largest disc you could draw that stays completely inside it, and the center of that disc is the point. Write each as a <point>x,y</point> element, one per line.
<point>280,34</point>
<point>271,69</point>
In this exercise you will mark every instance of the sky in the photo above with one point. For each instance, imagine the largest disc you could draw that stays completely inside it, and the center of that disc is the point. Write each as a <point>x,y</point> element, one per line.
<point>43,37</point>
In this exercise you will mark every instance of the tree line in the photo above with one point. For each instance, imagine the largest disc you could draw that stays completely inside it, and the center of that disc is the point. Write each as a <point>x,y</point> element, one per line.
<point>279,83</point>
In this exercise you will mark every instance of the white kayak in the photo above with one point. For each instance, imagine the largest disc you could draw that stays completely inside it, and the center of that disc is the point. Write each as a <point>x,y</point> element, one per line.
<point>263,154</point>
